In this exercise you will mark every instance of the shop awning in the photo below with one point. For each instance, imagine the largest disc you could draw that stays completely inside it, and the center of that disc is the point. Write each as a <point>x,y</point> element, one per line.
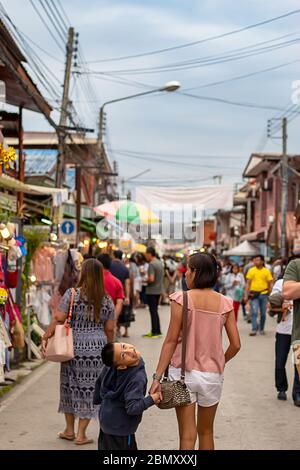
<point>254,236</point>
<point>59,195</point>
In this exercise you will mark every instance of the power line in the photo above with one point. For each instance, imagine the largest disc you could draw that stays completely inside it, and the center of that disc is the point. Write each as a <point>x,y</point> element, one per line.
<point>160,160</point>
<point>201,62</point>
<point>241,77</point>
<point>53,22</point>
<point>47,27</point>
<point>201,41</point>
<point>58,15</point>
<point>233,103</point>
<point>32,56</point>
<point>64,12</point>
<point>171,155</point>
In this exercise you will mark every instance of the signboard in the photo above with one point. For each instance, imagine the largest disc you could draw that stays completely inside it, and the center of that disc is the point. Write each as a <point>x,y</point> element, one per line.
<point>67,230</point>
<point>8,202</point>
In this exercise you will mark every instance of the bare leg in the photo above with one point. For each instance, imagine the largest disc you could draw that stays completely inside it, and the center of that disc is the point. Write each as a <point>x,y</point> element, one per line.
<point>205,426</point>
<point>82,426</point>
<point>187,426</point>
<point>70,421</point>
<point>125,335</point>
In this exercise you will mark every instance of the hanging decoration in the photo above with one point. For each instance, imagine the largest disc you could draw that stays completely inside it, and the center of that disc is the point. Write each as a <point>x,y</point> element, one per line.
<point>7,156</point>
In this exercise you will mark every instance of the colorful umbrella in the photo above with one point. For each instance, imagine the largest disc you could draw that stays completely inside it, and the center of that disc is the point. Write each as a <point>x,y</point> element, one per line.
<point>127,211</point>
<point>140,248</point>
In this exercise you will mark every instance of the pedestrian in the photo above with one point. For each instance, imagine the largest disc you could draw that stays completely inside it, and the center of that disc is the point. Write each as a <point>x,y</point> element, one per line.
<point>291,291</point>
<point>235,285</point>
<point>241,268</point>
<point>283,345</point>
<point>135,281</point>
<point>154,290</point>
<point>208,313</point>
<point>112,285</point>
<point>120,391</point>
<point>93,324</point>
<point>182,271</point>
<point>259,286</point>
<point>143,269</point>
<point>121,272</point>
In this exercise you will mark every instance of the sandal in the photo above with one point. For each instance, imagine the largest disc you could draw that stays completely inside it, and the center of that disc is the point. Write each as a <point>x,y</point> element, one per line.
<point>62,435</point>
<point>85,441</point>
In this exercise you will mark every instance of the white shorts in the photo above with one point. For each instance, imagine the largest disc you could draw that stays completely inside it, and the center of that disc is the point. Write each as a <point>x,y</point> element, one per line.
<point>205,387</point>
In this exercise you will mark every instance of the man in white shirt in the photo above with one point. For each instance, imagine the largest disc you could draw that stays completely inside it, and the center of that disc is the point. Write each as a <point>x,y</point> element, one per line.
<point>282,348</point>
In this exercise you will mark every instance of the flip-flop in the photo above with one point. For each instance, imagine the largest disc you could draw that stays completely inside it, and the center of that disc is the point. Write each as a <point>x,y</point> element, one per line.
<point>62,435</point>
<point>86,441</point>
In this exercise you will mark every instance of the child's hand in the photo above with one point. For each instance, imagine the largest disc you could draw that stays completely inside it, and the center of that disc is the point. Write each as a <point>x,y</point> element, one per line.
<point>156,397</point>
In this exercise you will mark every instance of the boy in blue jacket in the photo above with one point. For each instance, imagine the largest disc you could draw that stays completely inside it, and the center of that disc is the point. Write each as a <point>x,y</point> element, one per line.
<point>120,390</point>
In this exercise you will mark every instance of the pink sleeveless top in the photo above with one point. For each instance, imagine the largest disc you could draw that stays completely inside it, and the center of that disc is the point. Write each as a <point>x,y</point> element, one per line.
<point>204,340</point>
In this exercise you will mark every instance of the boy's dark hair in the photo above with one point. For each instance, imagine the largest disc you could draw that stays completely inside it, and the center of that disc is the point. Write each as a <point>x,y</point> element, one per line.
<point>118,254</point>
<point>206,270</point>
<point>105,260</point>
<point>259,256</point>
<point>151,251</point>
<point>107,355</point>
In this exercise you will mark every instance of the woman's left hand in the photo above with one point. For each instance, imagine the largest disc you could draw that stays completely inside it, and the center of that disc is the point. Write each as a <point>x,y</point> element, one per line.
<point>155,388</point>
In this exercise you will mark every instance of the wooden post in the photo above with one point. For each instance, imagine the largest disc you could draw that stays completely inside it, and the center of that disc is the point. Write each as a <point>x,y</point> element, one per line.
<point>78,201</point>
<point>21,162</point>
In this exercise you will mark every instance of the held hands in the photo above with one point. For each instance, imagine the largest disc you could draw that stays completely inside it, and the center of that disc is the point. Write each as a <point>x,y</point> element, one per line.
<point>156,397</point>
<point>156,390</point>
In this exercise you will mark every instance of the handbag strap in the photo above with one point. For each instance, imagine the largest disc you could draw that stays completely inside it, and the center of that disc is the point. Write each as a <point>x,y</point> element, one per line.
<point>184,333</point>
<point>68,320</point>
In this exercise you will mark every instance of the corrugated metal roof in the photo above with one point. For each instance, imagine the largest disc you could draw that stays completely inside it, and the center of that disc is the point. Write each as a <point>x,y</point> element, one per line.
<point>39,162</point>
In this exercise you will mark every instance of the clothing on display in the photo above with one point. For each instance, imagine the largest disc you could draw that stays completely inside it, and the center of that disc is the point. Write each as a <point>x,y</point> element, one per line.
<point>41,304</point>
<point>42,264</point>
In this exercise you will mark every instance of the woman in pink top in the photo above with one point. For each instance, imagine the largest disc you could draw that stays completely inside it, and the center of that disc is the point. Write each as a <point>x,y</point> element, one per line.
<point>208,313</point>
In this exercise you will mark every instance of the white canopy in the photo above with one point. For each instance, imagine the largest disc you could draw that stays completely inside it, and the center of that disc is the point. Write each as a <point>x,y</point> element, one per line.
<point>207,197</point>
<point>243,249</point>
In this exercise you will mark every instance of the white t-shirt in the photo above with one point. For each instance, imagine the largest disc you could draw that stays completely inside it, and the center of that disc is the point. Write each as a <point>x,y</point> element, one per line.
<point>284,327</point>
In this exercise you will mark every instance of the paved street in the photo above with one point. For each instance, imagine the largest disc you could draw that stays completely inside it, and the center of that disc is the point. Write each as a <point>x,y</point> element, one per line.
<point>249,416</point>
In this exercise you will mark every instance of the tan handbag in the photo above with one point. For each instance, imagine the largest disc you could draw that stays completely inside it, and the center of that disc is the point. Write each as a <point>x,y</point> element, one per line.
<point>175,392</point>
<point>60,347</point>
<point>296,357</point>
<point>17,330</point>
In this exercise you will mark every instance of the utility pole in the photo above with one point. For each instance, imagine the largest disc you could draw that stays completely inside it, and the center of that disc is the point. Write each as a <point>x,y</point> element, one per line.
<point>60,169</point>
<point>284,187</point>
<point>78,202</point>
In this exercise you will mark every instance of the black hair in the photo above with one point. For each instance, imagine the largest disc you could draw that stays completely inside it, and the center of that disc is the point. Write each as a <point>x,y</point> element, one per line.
<point>107,355</point>
<point>259,256</point>
<point>151,251</point>
<point>206,270</point>
<point>118,254</point>
<point>105,260</point>
<point>234,265</point>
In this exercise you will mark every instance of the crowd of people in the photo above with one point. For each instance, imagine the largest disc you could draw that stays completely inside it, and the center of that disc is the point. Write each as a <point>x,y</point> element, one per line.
<point>110,373</point>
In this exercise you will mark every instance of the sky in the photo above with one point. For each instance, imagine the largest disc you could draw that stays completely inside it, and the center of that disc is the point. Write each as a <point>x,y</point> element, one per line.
<point>175,139</point>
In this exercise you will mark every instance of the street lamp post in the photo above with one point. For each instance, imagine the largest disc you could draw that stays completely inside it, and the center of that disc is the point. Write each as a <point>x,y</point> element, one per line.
<point>168,87</point>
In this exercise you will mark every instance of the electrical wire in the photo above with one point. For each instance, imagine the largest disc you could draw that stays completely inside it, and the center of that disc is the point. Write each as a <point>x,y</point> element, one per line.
<point>47,27</point>
<point>241,77</point>
<point>201,62</point>
<point>171,155</point>
<point>201,41</point>
<point>52,20</point>
<point>233,103</point>
<point>34,61</point>
<point>168,162</point>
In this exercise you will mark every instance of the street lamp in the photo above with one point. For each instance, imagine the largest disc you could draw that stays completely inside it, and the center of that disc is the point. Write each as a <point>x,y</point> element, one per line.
<point>168,87</point>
